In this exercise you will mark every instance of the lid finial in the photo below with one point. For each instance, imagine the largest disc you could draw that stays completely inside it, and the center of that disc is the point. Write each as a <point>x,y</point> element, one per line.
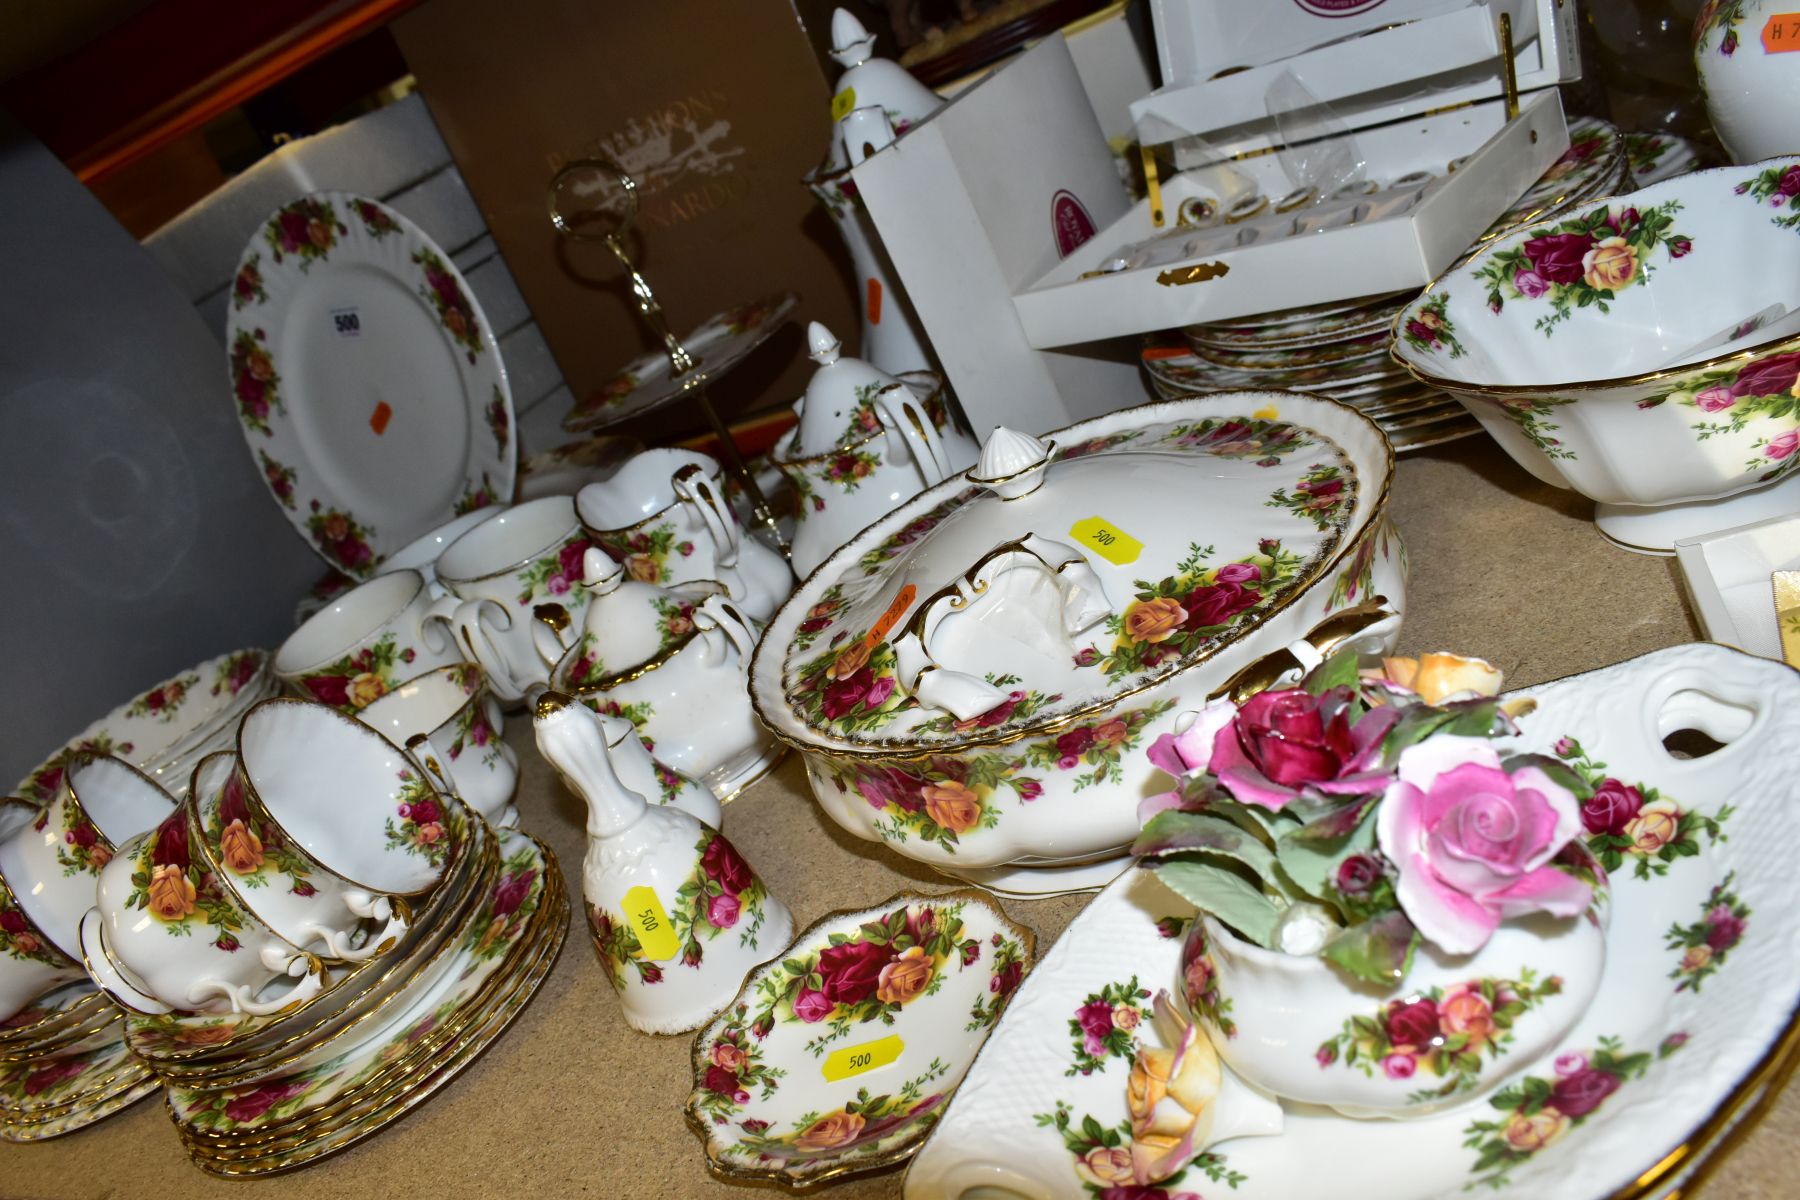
<point>822,344</point>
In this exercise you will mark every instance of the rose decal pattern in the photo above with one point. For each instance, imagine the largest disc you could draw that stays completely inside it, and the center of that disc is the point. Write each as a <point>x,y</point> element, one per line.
<point>254,381</point>
<point>516,896</point>
<point>499,423</point>
<point>1318,497</point>
<point>644,553</point>
<point>734,1066</point>
<point>308,228</point>
<point>172,883</point>
<point>418,826</point>
<point>162,703</point>
<point>1584,261</point>
<point>860,1128</point>
<point>1705,944</point>
<point>870,975</point>
<point>476,495</point>
<point>1265,442</point>
<point>253,851</point>
<point>1765,387</point>
<point>1200,983</point>
<point>20,939</point>
<point>1716,14</point>
<point>1102,1155</point>
<point>1357,579</point>
<point>1430,329</point>
<point>279,478</point>
<point>1634,822</point>
<point>1538,1112</point>
<point>1442,1032</point>
<point>445,294</point>
<point>1177,616</point>
<point>1530,414</point>
<point>43,1080</point>
<point>357,680</point>
<point>40,787</point>
<point>1105,1025</point>
<point>376,221</point>
<point>236,671</point>
<point>555,575</point>
<point>1778,187</point>
<point>722,894</point>
<point>82,848</point>
<point>342,539</point>
<point>247,286</point>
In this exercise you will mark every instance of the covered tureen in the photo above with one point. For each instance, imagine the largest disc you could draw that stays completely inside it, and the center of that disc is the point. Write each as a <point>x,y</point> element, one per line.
<point>973,678</point>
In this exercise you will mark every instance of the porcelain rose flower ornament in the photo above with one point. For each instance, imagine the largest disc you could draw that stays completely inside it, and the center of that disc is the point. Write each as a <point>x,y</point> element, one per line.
<point>1374,810</point>
<point>1472,844</point>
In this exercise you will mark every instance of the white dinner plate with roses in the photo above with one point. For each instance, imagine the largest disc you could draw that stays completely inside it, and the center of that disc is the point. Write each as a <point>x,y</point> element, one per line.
<point>366,379</point>
<point>840,1055</point>
<point>1700,986</point>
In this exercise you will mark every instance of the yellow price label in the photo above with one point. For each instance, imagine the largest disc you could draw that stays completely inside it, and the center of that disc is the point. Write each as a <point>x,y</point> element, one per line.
<point>1112,543</point>
<point>842,103</point>
<point>856,1060</point>
<point>655,932</point>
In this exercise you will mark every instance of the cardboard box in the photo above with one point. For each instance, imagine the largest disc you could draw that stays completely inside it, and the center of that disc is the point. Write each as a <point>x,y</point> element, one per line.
<point>1405,250</point>
<point>978,201</point>
<point>718,109</point>
<point>1727,577</point>
<point>1414,67</point>
<point>1196,39</point>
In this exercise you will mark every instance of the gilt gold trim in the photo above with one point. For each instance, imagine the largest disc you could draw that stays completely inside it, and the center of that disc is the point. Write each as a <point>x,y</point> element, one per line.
<point>1142,415</point>
<point>697,1055</point>
<point>1198,273</point>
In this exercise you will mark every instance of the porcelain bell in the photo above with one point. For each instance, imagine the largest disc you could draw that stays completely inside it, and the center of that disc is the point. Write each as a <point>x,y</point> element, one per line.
<point>678,915</point>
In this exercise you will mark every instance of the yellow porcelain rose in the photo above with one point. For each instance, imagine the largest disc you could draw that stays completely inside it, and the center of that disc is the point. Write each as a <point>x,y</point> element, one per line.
<point>905,978</point>
<point>241,848</point>
<point>1171,1095</point>
<point>830,1131</point>
<point>366,689</point>
<point>1154,620</point>
<point>1438,678</point>
<point>953,805</point>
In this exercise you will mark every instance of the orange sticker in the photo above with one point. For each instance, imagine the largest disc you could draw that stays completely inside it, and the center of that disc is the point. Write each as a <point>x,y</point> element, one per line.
<point>381,416</point>
<point>1782,33</point>
<point>874,301</point>
<point>1157,353</point>
<point>902,601</point>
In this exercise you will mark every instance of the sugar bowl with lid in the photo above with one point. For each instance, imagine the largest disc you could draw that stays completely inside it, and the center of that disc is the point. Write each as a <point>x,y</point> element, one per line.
<point>970,678</point>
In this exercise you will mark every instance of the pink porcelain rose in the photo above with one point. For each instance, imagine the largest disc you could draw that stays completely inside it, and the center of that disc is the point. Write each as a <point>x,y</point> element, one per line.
<point>1280,744</point>
<point>1472,843</point>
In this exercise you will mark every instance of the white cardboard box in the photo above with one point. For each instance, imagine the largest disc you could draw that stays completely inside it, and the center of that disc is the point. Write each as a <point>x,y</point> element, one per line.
<point>1195,39</point>
<point>1727,576</point>
<point>1404,251</point>
<point>978,201</point>
<point>1451,58</point>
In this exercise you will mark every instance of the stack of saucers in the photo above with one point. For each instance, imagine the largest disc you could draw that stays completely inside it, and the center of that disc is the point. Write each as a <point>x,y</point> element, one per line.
<point>380,934</point>
<point>64,1065</point>
<point>1338,349</point>
<point>169,728</point>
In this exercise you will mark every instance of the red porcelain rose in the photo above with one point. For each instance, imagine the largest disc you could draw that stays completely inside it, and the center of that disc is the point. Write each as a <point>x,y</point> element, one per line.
<point>723,864</point>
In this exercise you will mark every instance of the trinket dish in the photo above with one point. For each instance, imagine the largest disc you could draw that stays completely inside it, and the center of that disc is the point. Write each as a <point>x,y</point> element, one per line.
<point>1698,987</point>
<point>840,1054</point>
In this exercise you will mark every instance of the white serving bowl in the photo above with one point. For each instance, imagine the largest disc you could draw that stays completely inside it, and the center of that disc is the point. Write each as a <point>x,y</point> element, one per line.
<point>1598,349</point>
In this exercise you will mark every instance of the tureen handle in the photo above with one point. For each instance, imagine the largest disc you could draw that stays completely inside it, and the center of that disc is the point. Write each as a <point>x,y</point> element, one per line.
<point>1083,605</point>
<point>902,413</point>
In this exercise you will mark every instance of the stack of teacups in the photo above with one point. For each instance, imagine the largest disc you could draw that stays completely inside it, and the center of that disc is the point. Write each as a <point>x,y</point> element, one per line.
<point>317,920</point>
<point>451,709</point>
<point>311,844</point>
<point>63,1064</point>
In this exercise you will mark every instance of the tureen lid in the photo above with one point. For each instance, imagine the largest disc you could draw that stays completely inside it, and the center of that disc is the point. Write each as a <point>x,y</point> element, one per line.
<point>869,82</point>
<point>1062,573</point>
<point>840,397</point>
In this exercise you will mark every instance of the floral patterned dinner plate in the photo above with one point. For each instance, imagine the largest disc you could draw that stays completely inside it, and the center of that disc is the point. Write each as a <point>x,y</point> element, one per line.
<point>367,381</point>
<point>839,1056</point>
<point>1701,981</point>
<point>163,727</point>
<point>645,382</point>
